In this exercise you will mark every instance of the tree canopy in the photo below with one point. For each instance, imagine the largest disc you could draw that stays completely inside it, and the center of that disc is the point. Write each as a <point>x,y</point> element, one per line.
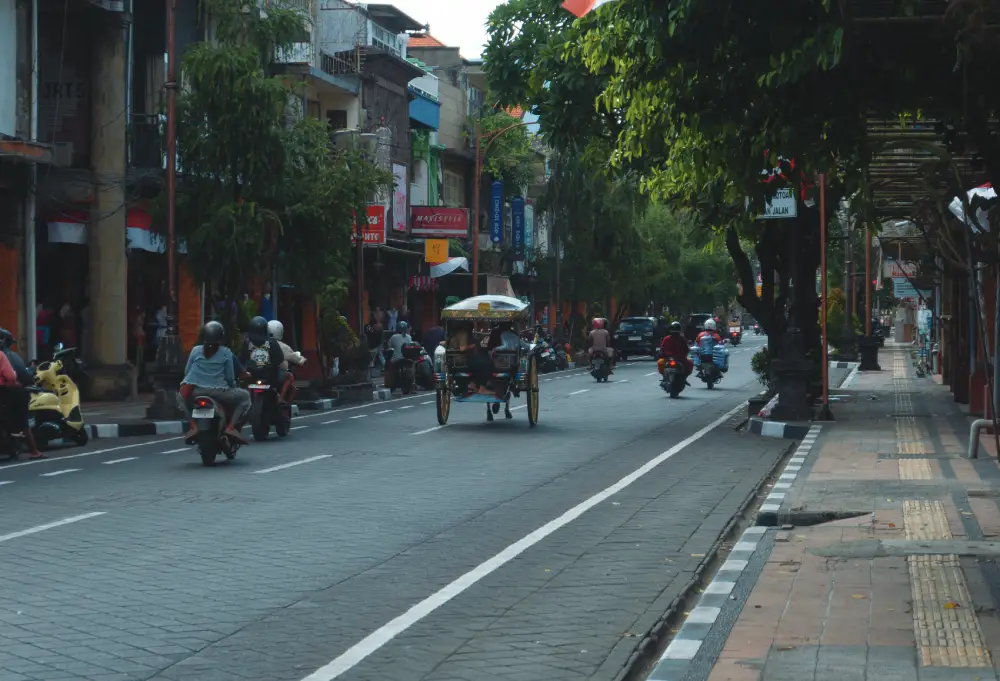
<point>259,183</point>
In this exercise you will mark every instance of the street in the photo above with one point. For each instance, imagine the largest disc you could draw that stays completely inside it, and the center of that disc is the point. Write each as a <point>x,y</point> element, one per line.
<point>373,544</point>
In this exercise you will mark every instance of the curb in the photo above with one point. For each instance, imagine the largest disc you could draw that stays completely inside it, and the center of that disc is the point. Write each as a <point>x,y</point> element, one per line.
<point>111,431</point>
<point>844,365</point>
<point>676,659</point>
<point>769,511</point>
<point>644,657</point>
<point>789,431</point>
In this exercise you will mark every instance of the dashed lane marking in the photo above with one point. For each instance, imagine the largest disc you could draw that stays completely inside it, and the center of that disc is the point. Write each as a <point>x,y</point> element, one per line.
<point>384,411</point>
<point>62,472</point>
<point>49,526</point>
<point>297,427</point>
<point>294,463</point>
<point>326,423</point>
<point>113,461</point>
<point>428,430</point>
<point>578,392</point>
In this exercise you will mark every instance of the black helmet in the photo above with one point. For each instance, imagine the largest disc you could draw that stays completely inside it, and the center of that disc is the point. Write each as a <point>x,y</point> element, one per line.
<point>675,327</point>
<point>402,327</point>
<point>6,339</point>
<point>257,330</point>
<point>213,333</point>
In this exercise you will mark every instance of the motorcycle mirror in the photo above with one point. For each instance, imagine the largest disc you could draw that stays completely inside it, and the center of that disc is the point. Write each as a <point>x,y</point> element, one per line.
<point>57,347</point>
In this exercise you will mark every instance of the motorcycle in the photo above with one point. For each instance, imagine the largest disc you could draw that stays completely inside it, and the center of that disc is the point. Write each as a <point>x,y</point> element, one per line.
<point>210,431</point>
<point>547,358</point>
<point>54,410</point>
<point>673,380</point>
<point>711,362</point>
<point>266,410</point>
<point>406,367</point>
<point>600,368</point>
<point>424,371</point>
<point>757,330</point>
<point>735,337</point>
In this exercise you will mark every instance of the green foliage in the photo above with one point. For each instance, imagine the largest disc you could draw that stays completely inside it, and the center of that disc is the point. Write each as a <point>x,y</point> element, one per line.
<point>509,156</point>
<point>260,185</point>
<point>760,364</point>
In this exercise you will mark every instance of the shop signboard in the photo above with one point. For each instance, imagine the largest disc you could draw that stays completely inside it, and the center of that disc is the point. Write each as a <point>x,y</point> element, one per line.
<point>496,212</point>
<point>517,226</point>
<point>375,229</point>
<point>439,222</point>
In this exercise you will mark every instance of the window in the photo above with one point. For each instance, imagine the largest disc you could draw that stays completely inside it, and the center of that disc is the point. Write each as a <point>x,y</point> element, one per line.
<point>475,102</point>
<point>454,190</point>
<point>336,119</point>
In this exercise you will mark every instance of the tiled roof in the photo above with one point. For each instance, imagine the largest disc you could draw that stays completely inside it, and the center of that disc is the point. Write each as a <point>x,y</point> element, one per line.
<point>516,112</point>
<point>424,40</point>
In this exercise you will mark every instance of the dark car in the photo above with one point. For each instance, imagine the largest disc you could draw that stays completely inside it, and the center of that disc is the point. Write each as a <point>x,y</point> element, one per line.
<point>639,336</point>
<point>695,325</point>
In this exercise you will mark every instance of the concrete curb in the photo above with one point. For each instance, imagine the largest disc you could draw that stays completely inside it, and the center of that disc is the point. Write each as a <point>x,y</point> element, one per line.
<point>645,655</point>
<point>768,515</point>
<point>111,431</point>
<point>789,431</point>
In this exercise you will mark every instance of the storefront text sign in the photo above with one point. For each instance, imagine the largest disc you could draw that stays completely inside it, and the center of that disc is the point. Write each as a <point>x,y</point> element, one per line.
<point>436,251</point>
<point>375,229</point>
<point>439,222</point>
<point>496,212</point>
<point>517,226</point>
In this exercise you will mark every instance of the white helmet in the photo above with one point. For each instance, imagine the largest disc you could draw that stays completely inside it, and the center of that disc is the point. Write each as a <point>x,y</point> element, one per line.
<point>275,329</point>
<point>709,325</point>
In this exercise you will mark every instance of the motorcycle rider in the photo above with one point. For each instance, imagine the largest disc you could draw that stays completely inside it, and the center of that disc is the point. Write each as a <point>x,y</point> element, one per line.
<point>396,343</point>
<point>211,372</point>
<point>276,331</point>
<point>262,356</point>
<point>14,399</point>
<point>600,342</point>
<point>675,345</point>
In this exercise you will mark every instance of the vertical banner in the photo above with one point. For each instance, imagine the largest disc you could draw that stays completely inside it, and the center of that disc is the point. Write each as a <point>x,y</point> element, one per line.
<point>496,213</point>
<point>529,227</point>
<point>517,226</point>
<point>399,198</point>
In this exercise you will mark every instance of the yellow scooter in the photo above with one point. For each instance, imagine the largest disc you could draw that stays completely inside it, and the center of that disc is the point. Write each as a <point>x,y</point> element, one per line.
<point>54,411</point>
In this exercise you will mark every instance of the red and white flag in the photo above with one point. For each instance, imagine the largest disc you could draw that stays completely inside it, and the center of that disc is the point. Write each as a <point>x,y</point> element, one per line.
<point>580,7</point>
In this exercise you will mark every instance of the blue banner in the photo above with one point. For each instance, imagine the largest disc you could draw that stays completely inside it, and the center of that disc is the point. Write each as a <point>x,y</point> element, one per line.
<point>517,226</point>
<point>529,228</point>
<point>496,213</point>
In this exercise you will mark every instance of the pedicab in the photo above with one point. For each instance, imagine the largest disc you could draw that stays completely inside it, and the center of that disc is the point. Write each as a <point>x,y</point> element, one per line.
<point>510,372</point>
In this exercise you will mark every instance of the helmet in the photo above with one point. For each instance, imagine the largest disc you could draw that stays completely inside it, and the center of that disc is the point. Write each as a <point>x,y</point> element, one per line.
<point>598,323</point>
<point>6,339</point>
<point>710,325</point>
<point>675,327</point>
<point>275,329</point>
<point>257,331</point>
<point>213,333</point>
<point>402,327</point>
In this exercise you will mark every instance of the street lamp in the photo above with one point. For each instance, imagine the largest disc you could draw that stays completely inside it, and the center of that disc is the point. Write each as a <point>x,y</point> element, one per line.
<point>480,153</point>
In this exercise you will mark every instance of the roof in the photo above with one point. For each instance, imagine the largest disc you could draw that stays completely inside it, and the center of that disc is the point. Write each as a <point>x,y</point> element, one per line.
<point>392,18</point>
<point>424,40</point>
<point>515,111</point>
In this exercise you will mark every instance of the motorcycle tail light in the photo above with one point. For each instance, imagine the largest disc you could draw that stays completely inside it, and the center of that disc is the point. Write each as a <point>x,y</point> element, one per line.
<point>672,364</point>
<point>202,403</point>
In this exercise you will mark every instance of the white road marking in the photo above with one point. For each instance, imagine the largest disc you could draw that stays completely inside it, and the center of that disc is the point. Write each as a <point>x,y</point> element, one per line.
<point>34,462</point>
<point>624,380</point>
<point>523,406</point>
<point>176,451</point>
<point>431,402</point>
<point>585,390</point>
<point>298,427</point>
<point>652,373</point>
<point>384,411</point>
<point>359,416</point>
<point>6,482</point>
<point>384,634</point>
<point>429,430</point>
<point>62,472</point>
<point>49,526</point>
<point>294,463</point>
<point>127,458</point>
<point>326,423</point>
<point>409,406</point>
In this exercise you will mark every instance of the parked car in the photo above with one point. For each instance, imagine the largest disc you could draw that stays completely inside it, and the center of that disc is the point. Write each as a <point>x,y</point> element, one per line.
<point>639,336</point>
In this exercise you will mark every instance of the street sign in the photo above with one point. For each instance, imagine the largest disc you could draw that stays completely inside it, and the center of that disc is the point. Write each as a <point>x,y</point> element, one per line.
<point>496,212</point>
<point>782,205</point>
<point>517,226</point>
<point>436,251</point>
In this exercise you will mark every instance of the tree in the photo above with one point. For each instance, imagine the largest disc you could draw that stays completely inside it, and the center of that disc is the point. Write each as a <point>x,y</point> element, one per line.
<point>260,185</point>
<point>510,156</point>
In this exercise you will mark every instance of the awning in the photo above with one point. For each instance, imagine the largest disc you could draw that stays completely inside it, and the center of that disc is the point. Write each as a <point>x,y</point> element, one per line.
<point>452,265</point>
<point>986,191</point>
<point>69,226</point>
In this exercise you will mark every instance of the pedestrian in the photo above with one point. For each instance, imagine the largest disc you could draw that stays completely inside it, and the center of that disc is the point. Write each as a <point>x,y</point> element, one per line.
<point>433,337</point>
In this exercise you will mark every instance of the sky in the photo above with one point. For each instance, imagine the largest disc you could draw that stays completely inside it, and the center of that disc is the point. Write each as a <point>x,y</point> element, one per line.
<point>460,23</point>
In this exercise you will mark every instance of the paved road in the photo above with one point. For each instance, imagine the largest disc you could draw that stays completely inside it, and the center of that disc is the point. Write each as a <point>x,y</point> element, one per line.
<point>373,545</point>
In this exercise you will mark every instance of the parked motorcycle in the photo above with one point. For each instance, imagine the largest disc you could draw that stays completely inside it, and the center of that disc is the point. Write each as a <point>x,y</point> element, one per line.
<point>266,410</point>
<point>54,410</point>
<point>547,358</point>
<point>406,367</point>
<point>424,371</point>
<point>673,380</point>
<point>210,435</point>
<point>600,368</point>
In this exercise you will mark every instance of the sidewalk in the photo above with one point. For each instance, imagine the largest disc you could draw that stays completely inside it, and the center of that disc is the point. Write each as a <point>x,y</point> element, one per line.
<point>873,556</point>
